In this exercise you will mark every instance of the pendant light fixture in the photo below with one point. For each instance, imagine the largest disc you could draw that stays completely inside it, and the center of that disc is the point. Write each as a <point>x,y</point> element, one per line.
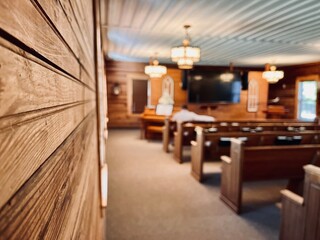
<point>228,76</point>
<point>271,74</point>
<point>185,55</point>
<point>154,70</point>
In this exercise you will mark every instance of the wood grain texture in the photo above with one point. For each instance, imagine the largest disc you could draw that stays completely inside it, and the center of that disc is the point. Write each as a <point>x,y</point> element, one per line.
<point>301,221</point>
<point>285,89</point>
<point>36,139</point>
<point>23,20</point>
<point>262,163</point>
<point>44,207</point>
<point>61,21</point>
<point>41,87</point>
<point>49,175</point>
<point>86,51</point>
<point>84,21</point>
<point>83,14</point>
<point>197,156</point>
<point>118,71</point>
<point>291,219</point>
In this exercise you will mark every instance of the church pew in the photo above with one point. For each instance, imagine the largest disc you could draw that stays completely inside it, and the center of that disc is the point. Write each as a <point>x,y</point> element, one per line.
<point>300,214</point>
<point>232,125</point>
<point>213,145</point>
<point>184,133</point>
<point>183,136</point>
<point>167,133</point>
<point>256,163</point>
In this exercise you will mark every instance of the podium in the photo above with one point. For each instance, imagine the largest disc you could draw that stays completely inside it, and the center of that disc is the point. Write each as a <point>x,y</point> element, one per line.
<point>276,111</point>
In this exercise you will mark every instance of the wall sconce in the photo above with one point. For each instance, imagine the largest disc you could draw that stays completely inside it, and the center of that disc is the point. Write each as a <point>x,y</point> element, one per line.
<point>104,185</point>
<point>116,89</point>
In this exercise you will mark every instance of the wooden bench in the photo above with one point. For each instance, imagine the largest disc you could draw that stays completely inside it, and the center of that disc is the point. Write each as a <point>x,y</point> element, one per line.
<point>184,135</point>
<point>167,133</point>
<point>261,163</point>
<point>300,216</point>
<point>209,146</point>
<point>151,125</point>
<point>185,132</point>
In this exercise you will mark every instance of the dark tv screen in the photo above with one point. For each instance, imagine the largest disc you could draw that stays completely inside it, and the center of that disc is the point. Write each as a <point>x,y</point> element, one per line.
<point>214,87</point>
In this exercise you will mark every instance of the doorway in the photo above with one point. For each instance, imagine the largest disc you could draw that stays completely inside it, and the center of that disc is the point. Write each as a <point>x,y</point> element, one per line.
<point>139,95</point>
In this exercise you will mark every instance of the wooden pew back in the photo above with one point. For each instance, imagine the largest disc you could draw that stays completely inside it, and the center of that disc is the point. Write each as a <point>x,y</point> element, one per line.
<point>220,142</point>
<point>185,134</point>
<point>210,146</point>
<point>261,163</point>
<point>300,215</point>
<point>275,162</point>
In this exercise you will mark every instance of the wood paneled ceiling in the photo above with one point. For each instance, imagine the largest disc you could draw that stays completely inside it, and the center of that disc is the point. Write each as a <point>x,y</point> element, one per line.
<point>247,33</point>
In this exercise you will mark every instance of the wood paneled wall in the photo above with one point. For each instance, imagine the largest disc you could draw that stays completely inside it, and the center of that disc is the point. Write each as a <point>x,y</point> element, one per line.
<point>239,110</point>
<point>118,72</point>
<point>49,174</point>
<point>285,89</point>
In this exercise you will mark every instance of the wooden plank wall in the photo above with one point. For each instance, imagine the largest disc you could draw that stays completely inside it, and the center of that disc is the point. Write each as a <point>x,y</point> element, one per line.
<point>239,110</point>
<point>118,72</point>
<point>285,89</point>
<point>117,104</point>
<point>49,174</point>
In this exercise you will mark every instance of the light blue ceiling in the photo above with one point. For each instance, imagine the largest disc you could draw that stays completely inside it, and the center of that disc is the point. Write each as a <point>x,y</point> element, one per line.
<point>247,33</point>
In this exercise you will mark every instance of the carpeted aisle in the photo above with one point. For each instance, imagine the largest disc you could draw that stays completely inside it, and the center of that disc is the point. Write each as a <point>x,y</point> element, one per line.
<point>153,197</point>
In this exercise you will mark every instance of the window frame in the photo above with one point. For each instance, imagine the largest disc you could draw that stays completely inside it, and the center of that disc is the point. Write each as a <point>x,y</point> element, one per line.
<point>305,79</point>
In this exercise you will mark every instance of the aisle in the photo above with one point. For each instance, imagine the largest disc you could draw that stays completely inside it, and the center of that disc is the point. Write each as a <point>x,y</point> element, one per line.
<point>153,197</point>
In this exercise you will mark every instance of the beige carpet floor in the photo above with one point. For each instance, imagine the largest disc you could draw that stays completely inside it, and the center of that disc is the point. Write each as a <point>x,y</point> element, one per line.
<point>153,197</point>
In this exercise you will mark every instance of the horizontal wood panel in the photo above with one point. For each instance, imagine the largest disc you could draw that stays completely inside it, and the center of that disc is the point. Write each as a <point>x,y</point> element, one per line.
<point>118,72</point>
<point>36,138</point>
<point>49,175</point>
<point>58,16</point>
<point>285,89</point>
<point>85,9</point>
<point>86,78</point>
<point>91,205</point>
<point>82,22</point>
<point>67,179</point>
<point>86,50</point>
<point>23,21</point>
<point>29,86</point>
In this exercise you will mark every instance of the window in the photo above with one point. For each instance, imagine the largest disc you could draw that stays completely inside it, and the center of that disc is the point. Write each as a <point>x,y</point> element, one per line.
<point>253,96</point>
<point>307,99</point>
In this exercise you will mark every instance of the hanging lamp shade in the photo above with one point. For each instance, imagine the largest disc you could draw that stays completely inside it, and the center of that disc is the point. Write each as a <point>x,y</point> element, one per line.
<point>271,74</point>
<point>229,75</point>
<point>154,70</point>
<point>185,55</point>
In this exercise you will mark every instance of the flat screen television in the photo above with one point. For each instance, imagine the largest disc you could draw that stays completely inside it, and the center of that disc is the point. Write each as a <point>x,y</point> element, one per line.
<point>214,87</point>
